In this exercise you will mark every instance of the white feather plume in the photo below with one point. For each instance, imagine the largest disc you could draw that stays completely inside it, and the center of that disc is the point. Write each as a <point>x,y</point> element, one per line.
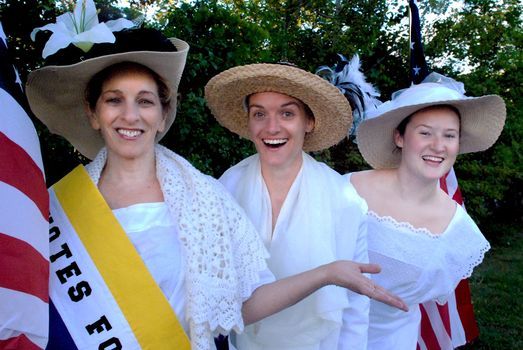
<point>348,77</point>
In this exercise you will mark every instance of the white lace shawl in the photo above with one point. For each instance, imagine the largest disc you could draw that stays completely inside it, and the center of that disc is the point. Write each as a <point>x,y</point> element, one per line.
<point>223,251</point>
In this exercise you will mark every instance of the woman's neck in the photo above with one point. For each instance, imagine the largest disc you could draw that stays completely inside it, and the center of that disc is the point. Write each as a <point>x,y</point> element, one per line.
<point>418,201</point>
<point>415,189</point>
<point>124,182</point>
<point>279,181</point>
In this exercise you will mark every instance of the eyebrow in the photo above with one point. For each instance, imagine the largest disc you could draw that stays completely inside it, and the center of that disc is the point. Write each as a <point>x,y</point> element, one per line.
<point>431,127</point>
<point>118,91</point>
<point>282,106</point>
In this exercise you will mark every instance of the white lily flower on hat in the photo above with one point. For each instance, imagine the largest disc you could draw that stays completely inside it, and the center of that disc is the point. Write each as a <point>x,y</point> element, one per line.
<point>80,28</point>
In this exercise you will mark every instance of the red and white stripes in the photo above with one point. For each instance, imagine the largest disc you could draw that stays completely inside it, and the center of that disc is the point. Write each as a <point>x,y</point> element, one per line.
<point>448,326</point>
<point>24,248</point>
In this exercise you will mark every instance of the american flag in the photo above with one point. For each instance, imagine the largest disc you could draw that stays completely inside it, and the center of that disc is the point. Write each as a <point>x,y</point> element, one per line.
<point>453,324</point>
<point>24,212</point>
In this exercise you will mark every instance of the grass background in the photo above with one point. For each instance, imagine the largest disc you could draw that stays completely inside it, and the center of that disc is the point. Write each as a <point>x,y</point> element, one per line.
<point>497,294</point>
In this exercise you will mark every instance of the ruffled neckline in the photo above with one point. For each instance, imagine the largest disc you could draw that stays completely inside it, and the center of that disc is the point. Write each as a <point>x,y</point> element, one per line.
<point>407,226</point>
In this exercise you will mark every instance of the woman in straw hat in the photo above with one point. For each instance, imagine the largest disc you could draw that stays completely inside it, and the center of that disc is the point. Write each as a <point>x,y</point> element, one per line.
<point>306,213</point>
<point>423,240</point>
<point>145,251</point>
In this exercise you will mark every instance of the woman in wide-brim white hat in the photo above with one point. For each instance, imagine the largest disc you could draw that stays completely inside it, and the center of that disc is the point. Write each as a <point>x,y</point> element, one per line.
<point>146,251</point>
<point>305,212</point>
<point>423,240</point>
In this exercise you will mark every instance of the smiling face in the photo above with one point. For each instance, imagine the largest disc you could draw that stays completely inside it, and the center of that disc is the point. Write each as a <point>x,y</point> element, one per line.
<point>277,126</point>
<point>430,142</point>
<point>129,113</point>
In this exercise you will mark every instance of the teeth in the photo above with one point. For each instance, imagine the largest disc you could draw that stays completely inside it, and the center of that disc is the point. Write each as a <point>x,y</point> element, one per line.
<point>275,141</point>
<point>433,158</point>
<point>129,133</point>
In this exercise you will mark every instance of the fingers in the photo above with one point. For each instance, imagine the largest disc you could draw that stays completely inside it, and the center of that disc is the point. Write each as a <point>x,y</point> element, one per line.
<point>369,268</point>
<point>382,295</point>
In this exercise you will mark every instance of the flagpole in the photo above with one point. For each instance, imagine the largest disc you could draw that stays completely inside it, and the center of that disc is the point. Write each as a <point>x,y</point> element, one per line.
<point>443,327</point>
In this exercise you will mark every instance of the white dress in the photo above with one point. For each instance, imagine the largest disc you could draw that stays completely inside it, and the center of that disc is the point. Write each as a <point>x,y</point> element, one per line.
<point>322,219</point>
<point>154,235</point>
<point>418,266</point>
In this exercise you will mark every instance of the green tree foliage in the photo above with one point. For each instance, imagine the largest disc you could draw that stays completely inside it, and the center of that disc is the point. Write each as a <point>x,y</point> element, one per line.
<point>478,43</point>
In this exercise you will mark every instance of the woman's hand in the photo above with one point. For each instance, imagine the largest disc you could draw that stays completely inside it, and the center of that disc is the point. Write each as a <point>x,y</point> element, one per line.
<point>349,274</point>
<point>276,296</point>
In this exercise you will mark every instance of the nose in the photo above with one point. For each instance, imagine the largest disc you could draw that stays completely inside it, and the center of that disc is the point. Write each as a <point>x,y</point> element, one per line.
<point>131,113</point>
<point>273,125</point>
<point>438,144</point>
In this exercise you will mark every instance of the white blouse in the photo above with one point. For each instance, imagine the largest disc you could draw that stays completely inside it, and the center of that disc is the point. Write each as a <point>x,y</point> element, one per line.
<point>322,219</point>
<point>154,235</point>
<point>418,266</point>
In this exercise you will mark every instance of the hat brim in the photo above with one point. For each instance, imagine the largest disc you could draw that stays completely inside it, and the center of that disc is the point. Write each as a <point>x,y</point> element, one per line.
<point>56,93</point>
<point>482,120</point>
<point>226,92</point>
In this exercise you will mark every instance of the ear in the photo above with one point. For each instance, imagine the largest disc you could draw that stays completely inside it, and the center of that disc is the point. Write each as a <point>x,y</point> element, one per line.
<point>163,123</point>
<point>398,139</point>
<point>310,125</point>
<point>93,119</point>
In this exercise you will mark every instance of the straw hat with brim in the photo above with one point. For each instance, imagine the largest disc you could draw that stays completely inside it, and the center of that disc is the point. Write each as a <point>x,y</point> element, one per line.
<point>482,120</point>
<point>226,92</point>
<point>56,93</point>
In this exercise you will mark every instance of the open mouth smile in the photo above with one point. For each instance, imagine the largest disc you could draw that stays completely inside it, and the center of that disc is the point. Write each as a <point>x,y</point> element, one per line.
<point>131,133</point>
<point>274,143</point>
<point>435,159</point>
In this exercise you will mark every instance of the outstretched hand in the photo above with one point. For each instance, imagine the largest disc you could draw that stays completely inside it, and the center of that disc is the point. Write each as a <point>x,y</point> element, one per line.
<point>278,295</point>
<point>349,274</point>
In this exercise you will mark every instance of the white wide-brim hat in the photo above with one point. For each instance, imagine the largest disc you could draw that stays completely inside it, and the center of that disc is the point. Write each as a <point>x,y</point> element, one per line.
<point>226,92</point>
<point>56,93</point>
<point>482,120</point>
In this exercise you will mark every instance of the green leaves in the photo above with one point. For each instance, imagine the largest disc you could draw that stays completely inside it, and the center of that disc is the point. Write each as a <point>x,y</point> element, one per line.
<point>476,41</point>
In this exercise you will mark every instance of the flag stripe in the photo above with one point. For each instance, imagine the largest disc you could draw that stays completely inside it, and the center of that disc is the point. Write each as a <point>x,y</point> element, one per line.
<point>20,342</point>
<point>440,322</point>
<point>24,206</point>
<point>23,268</point>
<point>23,314</point>
<point>20,171</point>
<point>25,219</point>
<point>443,311</point>
<point>456,326</point>
<point>443,184</point>
<point>16,124</point>
<point>457,197</point>
<point>427,333</point>
<point>466,310</point>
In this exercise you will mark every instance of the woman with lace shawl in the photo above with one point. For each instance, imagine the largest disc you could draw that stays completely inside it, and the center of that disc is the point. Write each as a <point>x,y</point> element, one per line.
<point>146,251</point>
<point>423,240</point>
<point>305,212</point>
